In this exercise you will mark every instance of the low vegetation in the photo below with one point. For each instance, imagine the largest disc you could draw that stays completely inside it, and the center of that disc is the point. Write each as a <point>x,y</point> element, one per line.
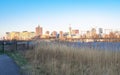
<point>57,59</point>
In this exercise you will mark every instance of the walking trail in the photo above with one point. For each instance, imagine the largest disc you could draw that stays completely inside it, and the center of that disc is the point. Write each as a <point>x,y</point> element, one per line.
<point>8,66</point>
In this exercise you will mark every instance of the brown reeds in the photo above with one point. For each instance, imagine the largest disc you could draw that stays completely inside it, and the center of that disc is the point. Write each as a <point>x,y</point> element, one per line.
<point>57,59</point>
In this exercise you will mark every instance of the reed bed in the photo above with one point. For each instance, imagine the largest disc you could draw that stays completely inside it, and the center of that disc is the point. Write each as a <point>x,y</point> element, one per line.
<point>53,58</point>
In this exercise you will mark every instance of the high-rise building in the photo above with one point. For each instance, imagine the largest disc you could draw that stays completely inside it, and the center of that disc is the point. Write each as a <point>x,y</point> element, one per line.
<point>39,31</point>
<point>94,33</point>
<point>100,32</point>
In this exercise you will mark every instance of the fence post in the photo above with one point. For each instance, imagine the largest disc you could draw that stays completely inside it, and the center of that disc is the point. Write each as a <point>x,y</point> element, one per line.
<point>3,46</point>
<point>27,44</point>
<point>16,45</point>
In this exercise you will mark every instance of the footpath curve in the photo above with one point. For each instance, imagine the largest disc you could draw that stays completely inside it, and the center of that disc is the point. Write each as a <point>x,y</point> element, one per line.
<point>8,66</point>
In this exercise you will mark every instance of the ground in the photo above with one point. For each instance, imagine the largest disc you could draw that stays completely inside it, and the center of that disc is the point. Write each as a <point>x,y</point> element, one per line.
<point>8,66</point>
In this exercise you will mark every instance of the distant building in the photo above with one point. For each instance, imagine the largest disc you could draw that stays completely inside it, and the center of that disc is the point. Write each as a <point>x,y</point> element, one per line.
<point>14,35</point>
<point>88,34</point>
<point>61,34</point>
<point>47,35</point>
<point>25,35</point>
<point>70,30</point>
<point>54,34</point>
<point>7,35</point>
<point>100,32</point>
<point>93,33</point>
<point>75,32</point>
<point>32,35</point>
<point>39,31</point>
<point>47,32</point>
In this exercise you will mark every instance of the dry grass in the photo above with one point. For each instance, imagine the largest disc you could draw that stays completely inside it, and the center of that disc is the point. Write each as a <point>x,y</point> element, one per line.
<point>57,59</point>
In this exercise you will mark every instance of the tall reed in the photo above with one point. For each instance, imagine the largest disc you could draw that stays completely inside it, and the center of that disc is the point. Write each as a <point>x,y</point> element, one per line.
<point>50,58</point>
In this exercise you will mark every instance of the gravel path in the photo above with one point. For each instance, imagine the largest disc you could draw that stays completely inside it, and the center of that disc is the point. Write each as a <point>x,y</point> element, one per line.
<point>8,66</point>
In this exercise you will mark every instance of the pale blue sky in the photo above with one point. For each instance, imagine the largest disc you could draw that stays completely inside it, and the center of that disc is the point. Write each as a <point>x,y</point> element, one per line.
<point>20,15</point>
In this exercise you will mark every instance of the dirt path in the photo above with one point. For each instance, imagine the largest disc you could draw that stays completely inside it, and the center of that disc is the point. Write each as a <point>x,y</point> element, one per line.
<point>8,66</point>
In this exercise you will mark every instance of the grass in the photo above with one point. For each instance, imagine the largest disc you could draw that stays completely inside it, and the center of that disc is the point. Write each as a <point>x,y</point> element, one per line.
<point>1,53</point>
<point>57,59</point>
<point>19,59</point>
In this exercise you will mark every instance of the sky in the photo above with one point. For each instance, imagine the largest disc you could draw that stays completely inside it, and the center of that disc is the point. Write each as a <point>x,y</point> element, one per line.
<point>25,15</point>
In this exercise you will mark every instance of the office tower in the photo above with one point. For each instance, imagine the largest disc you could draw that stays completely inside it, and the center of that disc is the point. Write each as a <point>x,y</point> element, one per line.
<point>93,32</point>
<point>39,31</point>
<point>100,32</point>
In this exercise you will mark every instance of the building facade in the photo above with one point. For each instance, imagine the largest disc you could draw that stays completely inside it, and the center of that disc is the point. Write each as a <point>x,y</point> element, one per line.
<point>39,31</point>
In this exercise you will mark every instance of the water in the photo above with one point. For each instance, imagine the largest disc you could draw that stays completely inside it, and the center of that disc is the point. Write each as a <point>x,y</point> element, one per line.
<point>97,45</point>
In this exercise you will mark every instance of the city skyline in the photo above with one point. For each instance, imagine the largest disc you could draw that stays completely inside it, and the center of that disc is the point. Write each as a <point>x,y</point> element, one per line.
<point>20,15</point>
<point>71,35</point>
